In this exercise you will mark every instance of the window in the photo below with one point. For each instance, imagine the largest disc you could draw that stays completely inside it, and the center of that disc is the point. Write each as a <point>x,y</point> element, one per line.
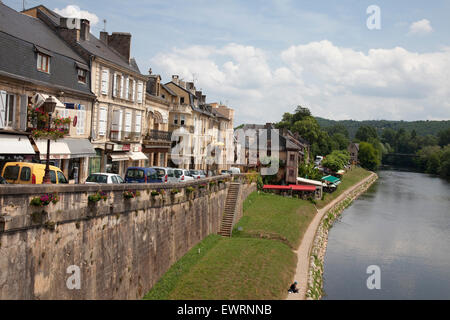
<point>182,119</point>
<point>105,81</point>
<point>61,178</point>
<point>175,119</point>
<point>131,90</point>
<point>182,100</point>
<point>81,117</point>
<point>291,173</point>
<point>82,76</point>
<point>140,92</point>
<point>103,120</point>
<point>52,176</point>
<point>114,180</point>
<point>25,174</point>
<point>43,62</point>
<point>11,173</point>
<point>163,96</point>
<point>292,157</point>
<point>118,85</point>
<point>7,109</point>
<point>120,180</point>
<point>137,127</point>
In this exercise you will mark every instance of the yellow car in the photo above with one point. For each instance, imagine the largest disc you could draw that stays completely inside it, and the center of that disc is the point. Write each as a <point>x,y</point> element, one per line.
<point>31,173</point>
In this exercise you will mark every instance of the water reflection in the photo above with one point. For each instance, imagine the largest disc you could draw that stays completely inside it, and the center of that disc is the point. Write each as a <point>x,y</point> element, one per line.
<point>401,224</point>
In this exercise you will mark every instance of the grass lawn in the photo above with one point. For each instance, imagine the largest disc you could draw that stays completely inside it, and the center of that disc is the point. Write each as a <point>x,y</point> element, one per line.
<point>256,263</point>
<point>239,268</point>
<point>350,178</point>
<point>275,216</point>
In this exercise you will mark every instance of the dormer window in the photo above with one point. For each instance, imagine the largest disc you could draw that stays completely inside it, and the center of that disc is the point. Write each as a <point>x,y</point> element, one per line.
<point>82,76</point>
<point>43,62</point>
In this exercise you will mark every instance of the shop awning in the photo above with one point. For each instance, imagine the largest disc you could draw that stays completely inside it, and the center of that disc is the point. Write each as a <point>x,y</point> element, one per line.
<point>119,156</point>
<point>272,187</point>
<point>136,156</point>
<point>58,149</point>
<point>39,99</point>
<point>15,144</point>
<point>309,181</point>
<point>80,148</point>
<point>303,188</point>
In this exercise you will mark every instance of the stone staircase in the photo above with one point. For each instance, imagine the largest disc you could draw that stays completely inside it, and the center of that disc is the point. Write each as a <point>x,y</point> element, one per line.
<point>231,206</point>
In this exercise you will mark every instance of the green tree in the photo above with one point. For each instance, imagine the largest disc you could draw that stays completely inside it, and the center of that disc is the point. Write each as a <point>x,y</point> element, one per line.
<point>368,156</point>
<point>364,133</point>
<point>444,169</point>
<point>444,137</point>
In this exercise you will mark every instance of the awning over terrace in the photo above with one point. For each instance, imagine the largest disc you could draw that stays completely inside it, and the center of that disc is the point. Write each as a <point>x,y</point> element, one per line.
<point>332,180</point>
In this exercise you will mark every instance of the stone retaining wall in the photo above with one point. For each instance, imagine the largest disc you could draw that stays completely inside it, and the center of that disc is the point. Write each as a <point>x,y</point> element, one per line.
<point>121,247</point>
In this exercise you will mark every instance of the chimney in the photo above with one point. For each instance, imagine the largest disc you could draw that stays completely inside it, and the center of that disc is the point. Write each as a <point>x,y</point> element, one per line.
<point>182,84</point>
<point>69,29</point>
<point>175,79</point>
<point>104,36</point>
<point>121,42</point>
<point>85,30</point>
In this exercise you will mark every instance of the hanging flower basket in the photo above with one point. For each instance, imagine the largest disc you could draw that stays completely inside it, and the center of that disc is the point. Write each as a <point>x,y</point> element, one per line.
<point>45,200</point>
<point>97,197</point>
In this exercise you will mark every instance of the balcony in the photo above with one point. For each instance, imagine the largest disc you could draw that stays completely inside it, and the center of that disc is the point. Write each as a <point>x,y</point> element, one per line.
<point>173,127</point>
<point>123,136</point>
<point>157,135</point>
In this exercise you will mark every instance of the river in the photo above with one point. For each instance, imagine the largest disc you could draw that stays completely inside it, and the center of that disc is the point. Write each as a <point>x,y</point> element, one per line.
<point>401,225</point>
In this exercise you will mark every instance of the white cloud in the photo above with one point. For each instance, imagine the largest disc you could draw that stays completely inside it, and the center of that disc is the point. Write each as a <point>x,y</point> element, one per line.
<point>421,27</point>
<point>334,82</point>
<point>72,11</point>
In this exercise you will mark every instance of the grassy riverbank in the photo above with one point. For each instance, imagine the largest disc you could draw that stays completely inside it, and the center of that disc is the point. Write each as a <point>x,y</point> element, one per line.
<point>258,262</point>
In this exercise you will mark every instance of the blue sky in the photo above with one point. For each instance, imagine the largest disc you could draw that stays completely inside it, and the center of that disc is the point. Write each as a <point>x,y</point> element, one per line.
<point>266,57</point>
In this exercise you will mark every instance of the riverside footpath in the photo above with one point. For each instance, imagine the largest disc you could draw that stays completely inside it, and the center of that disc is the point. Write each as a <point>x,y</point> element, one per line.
<point>302,275</point>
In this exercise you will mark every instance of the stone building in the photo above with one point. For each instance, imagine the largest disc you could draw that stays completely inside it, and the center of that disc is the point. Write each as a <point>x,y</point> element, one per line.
<point>35,63</point>
<point>260,144</point>
<point>157,137</point>
<point>353,149</point>
<point>119,110</point>
<point>203,125</point>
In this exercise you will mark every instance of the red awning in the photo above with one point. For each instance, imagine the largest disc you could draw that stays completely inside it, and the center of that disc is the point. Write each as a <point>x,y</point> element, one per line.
<point>303,188</point>
<point>270,187</point>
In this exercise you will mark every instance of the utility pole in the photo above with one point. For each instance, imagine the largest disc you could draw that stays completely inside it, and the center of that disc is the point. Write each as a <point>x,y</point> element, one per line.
<point>104,24</point>
<point>23,5</point>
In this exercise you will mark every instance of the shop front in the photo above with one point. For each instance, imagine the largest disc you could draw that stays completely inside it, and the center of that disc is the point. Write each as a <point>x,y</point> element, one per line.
<point>15,148</point>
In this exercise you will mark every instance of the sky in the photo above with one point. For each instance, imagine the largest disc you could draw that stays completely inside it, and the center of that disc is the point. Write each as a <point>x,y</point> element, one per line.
<point>264,58</point>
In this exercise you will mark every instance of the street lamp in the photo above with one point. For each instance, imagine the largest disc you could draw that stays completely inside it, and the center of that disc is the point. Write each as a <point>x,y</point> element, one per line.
<point>49,108</point>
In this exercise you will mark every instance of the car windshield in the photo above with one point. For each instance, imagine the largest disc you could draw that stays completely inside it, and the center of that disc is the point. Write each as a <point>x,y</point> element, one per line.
<point>97,178</point>
<point>178,173</point>
<point>135,174</point>
<point>194,172</point>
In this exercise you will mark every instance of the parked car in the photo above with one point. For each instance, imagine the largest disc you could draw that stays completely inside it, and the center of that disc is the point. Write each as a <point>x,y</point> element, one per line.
<point>225,172</point>
<point>108,178</point>
<point>183,175</point>
<point>197,174</point>
<point>31,173</point>
<point>3,181</point>
<point>166,175</point>
<point>141,175</point>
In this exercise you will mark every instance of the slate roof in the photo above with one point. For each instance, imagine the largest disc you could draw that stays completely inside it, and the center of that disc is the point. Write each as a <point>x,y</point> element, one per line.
<point>21,36</point>
<point>95,46</point>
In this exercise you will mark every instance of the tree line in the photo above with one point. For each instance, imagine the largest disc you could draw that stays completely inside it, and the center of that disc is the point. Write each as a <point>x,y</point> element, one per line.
<point>430,151</point>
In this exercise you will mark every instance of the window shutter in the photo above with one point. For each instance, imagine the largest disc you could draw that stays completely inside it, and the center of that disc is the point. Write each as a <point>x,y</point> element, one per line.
<point>80,120</point>
<point>2,109</point>
<point>127,88</point>
<point>102,122</point>
<point>23,112</point>
<point>105,81</point>
<point>117,123</point>
<point>115,85</point>
<point>133,94</point>
<point>140,87</point>
<point>128,121</point>
<point>121,87</point>
<point>138,122</point>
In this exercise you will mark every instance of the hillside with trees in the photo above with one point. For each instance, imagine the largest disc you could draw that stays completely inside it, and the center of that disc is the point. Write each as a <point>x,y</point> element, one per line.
<point>422,128</point>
